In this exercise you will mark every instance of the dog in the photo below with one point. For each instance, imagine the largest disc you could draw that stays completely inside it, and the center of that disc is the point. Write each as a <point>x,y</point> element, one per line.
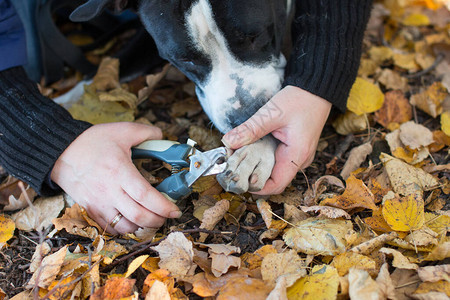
<point>232,51</point>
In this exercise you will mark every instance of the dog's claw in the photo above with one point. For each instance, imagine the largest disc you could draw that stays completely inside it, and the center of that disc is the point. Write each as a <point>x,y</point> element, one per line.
<point>247,171</point>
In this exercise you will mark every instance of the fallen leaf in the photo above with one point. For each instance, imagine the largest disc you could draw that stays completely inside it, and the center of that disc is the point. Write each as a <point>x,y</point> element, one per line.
<point>406,179</point>
<point>327,211</point>
<point>248,288</point>
<point>445,122</point>
<point>345,261</point>
<point>403,213</point>
<point>151,264</point>
<point>399,261</point>
<point>394,81</point>
<point>7,227</point>
<point>349,123</point>
<point>222,259</point>
<point>287,264</point>
<point>405,61</point>
<point>441,251</point>
<point>441,286</point>
<point>416,19</point>
<point>39,253</point>
<point>135,264</point>
<point>176,254</point>
<point>380,54</point>
<point>423,237</point>
<point>107,76</point>
<point>158,291</point>
<point>405,282</point>
<point>48,269</point>
<point>11,194</point>
<point>206,285</point>
<point>40,215</point>
<point>212,216</point>
<point>119,95</point>
<point>356,157</point>
<point>115,288</point>
<point>207,139</point>
<point>161,275</point>
<point>438,223</point>
<point>434,273</point>
<point>253,260</point>
<point>367,67</point>
<point>279,291</point>
<point>365,97</point>
<point>293,215</point>
<point>110,250</point>
<point>319,236</point>
<point>440,141</point>
<point>431,100</point>
<point>265,211</point>
<point>430,296</point>
<point>355,196</point>
<point>375,243</point>
<point>395,110</point>
<point>151,80</point>
<point>415,135</point>
<point>385,283</point>
<point>65,288</point>
<point>188,108</point>
<point>321,284</point>
<point>362,286</point>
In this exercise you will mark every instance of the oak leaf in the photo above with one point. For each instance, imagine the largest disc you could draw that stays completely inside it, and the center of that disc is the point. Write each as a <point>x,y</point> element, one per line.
<point>319,236</point>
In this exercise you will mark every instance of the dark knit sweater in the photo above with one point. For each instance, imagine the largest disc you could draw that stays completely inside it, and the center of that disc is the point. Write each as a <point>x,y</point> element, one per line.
<point>34,130</point>
<point>327,38</point>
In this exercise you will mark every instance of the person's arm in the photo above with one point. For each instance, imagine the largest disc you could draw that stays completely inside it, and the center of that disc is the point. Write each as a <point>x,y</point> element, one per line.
<point>327,41</point>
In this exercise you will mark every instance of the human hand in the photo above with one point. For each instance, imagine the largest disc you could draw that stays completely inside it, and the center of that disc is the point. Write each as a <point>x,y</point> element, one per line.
<point>96,170</point>
<point>296,118</point>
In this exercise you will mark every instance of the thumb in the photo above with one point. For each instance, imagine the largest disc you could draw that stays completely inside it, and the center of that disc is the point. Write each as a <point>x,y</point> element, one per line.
<point>137,133</point>
<point>263,122</point>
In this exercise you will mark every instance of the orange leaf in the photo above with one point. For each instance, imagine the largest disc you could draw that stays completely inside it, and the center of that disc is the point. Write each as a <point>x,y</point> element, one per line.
<point>115,288</point>
<point>356,195</point>
<point>250,288</point>
<point>395,110</point>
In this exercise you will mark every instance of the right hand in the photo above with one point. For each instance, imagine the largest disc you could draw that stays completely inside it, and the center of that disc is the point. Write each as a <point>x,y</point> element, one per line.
<point>96,170</point>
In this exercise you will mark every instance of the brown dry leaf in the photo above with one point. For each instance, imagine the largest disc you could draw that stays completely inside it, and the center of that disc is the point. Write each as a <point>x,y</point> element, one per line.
<point>376,221</point>
<point>355,196</point>
<point>115,288</point>
<point>431,100</point>
<point>107,76</point>
<point>48,269</point>
<point>399,261</point>
<point>40,215</point>
<point>287,264</point>
<point>319,236</point>
<point>415,135</point>
<point>119,95</point>
<point>403,213</point>
<point>400,150</point>
<point>321,284</point>
<point>110,250</point>
<point>345,261</point>
<point>152,80</point>
<point>206,138</point>
<point>293,215</point>
<point>65,288</point>
<point>265,211</point>
<point>384,281</point>
<point>441,286</point>
<point>202,204</point>
<point>349,123</point>
<point>11,194</point>
<point>279,291</point>
<point>356,157</point>
<point>375,243</point>
<point>377,189</point>
<point>362,286</point>
<point>39,253</point>
<point>249,288</point>
<point>222,259</point>
<point>441,251</point>
<point>204,183</point>
<point>188,108</point>
<point>434,273</point>
<point>406,179</point>
<point>212,216</point>
<point>393,81</point>
<point>7,227</point>
<point>395,110</point>
<point>207,285</point>
<point>253,260</point>
<point>440,141</point>
<point>176,254</point>
<point>423,237</point>
<point>161,275</point>
<point>327,211</point>
<point>405,282</point>
<point>143,234</point>
<point>291,196</point>
<point>158,291</point>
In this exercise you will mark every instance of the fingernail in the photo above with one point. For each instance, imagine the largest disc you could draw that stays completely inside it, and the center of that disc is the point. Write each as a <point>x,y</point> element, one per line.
<point>175,214</point>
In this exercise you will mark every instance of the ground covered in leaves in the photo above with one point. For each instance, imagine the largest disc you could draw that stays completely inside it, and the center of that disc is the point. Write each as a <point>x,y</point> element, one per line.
<point>369,219</point>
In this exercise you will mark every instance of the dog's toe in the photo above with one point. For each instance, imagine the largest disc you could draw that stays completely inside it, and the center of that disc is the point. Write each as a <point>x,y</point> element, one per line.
<point>249,167</point>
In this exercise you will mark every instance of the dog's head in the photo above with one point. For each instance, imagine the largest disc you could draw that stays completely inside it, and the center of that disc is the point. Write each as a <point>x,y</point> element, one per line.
<point>230,49</point>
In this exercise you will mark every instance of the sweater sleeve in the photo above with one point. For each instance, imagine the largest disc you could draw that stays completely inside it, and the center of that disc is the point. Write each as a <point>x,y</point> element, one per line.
<point>327,39</point>
<point>34,130</point>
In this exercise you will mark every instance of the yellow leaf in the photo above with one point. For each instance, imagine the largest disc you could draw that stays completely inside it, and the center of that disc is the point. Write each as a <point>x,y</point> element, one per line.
<point>63,287</point>
<point>349,123</point>
<point>365,97</point>
<point>438,223</point>
<point>343,262</point>
<point>322,284</point>
<point>406,61</point>
<point>442,286</point>
<point>253,260</point>
<point>135,264</point>
<point>287,264</point>
<point>249,288</point>
<point>445,122</point>
<point>380,54</point>
<point>7,227</point>
<point>404,214</point>
<point>319,236</point>
<point>151,264</point>
<point>416,20</point>
<point>399,261</point>
<point>431,100</point>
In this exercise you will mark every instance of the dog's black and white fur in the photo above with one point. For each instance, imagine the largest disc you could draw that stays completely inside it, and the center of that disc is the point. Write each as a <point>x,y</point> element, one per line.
<point>231,50</point>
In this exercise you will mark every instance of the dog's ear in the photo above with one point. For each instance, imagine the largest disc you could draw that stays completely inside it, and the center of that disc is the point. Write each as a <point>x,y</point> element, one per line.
<point>92,8</point>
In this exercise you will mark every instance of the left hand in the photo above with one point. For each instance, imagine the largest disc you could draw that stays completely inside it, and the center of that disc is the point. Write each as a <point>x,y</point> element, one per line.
<point>296,118</point>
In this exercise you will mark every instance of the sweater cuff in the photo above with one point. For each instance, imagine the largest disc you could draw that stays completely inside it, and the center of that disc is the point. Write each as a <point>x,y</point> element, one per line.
<point>327,40</point>
<point>35,130</point>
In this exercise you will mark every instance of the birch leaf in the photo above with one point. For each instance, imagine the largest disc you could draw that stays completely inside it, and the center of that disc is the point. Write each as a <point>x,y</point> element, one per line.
<point>365,97</point>
<point>405,213</point>
<point>322,284</point>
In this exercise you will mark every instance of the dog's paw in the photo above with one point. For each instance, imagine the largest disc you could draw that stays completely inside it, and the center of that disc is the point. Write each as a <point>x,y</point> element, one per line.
<point>249,167</point>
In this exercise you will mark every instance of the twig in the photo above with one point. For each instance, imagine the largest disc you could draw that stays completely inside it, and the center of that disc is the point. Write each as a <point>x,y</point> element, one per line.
<point>281,218</point>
